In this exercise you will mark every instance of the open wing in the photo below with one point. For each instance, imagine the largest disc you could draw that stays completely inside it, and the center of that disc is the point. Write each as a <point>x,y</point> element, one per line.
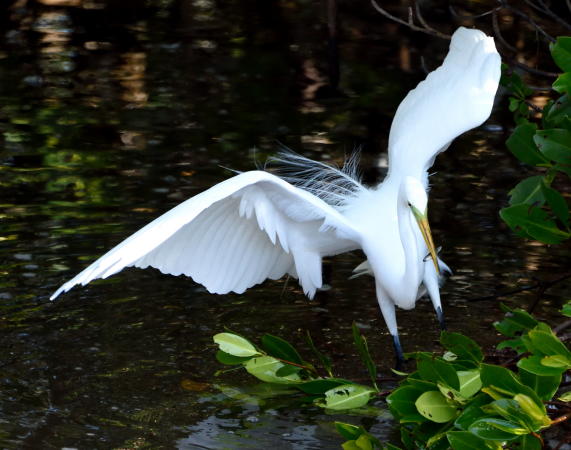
<point>234,235</point>
<point>453,99</point>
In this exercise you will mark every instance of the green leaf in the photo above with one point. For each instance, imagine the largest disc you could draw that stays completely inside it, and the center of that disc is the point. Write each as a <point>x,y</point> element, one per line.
<point>231,360</point>
<point>362,347</point>
<point>543,385</point>
<point>559,112</point>
<point>348,396</point>
<point>548,343</point>
<point>515,322</point>
<point>566,310</point>
<point>534,222</point>
<point>319,387</point>
<point>555,144</point>
<point>557,204</point>
<point>265,368</point>
<point>561,85</point>
<point>436,370</point>
<point>464,440</point>
<point>566,397</point>
<point>521,144</point>
<point>516,344</point>
<point>534,365</point>
<point>288,370</point>
<point>557,361</point>
<point>280,348</point>
<point>470,385</point>
<point>528,191</point>
<point>561,52</point>
<point>472,412</point>
<point>511,410</point>
<point>496,429</point>
<point>415,380</point>
<point>529,442</point>
<point>537,413</point>
<point>348,431</point>
<point>324,360</point>
<point>235,345</point>
<point>434,407</point>
<point>402,403</point>
<point>461,346</point>
<point>506,382</point>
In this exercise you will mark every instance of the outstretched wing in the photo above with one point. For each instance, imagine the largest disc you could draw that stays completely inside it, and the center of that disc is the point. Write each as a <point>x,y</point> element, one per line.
<point>453,99</point>
<point>235,235</point>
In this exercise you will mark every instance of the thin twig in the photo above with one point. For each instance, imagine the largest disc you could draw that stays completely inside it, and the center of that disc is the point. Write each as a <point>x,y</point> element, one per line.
<point>560,419</point>
<point>421,18</point>
<point>498,33</point>
<point>547,11</point>
<point>410,22</point>
<point>541,73</point>
<point>472,17</point>
<point>528,19</point>
<point>562,326</point>
<point>548,284</point>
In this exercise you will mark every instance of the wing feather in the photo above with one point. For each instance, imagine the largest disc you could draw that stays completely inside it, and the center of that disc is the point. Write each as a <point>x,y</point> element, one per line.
<point>235,235</point>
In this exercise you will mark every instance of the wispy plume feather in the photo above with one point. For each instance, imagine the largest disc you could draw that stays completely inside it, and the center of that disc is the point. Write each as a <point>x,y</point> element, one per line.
<point>335,186</point>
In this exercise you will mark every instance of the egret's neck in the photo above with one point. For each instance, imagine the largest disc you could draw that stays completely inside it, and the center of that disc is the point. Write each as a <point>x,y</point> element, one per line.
<point>406,223</point>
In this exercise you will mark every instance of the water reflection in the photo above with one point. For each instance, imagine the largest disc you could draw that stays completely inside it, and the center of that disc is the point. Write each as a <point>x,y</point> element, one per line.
<point>110,114</point>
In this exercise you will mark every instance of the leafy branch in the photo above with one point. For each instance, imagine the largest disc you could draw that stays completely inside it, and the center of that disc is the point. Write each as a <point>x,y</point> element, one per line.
<point>451,400</point>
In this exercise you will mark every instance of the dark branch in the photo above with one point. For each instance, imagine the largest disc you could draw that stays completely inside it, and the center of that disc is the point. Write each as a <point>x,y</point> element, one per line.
<point>410,22</point>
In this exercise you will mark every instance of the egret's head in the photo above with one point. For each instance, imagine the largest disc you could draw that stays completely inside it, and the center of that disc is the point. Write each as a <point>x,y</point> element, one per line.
<point>417,202</point>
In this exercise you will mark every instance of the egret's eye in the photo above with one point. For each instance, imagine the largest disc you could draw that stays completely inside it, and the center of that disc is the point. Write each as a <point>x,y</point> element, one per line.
<point>409,204</point>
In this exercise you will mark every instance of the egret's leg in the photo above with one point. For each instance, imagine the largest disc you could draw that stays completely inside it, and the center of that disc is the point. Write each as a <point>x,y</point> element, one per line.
<point>432,286</point>
<point>388,311</point>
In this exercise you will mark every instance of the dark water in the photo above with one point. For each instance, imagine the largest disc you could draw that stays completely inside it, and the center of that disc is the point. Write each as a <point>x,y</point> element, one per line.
<point>113,112</point>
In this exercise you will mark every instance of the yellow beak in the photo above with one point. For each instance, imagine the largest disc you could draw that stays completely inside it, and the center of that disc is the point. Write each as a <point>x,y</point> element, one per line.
<point>422,220</point>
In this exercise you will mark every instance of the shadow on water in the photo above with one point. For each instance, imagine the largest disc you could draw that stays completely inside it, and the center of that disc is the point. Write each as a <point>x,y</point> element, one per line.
<point>112,113</point>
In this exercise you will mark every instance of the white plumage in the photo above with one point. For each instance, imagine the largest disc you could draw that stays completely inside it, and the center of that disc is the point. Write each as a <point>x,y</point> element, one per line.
<point>257,225</point>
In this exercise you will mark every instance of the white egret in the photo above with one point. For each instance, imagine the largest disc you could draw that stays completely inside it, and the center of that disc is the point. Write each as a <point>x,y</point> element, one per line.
<point>257,225</point>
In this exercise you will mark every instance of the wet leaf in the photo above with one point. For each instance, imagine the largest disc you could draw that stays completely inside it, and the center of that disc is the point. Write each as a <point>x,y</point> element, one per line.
<point>496,429</point>
<point>548,343</point>
<point>557,361</point>
<point>363,348</point>
<point>557,204</point>
<point>537,413</point>
<point>554,144</point>
<point>434,407</point>
<point>265,368</point>
<point>515,321</point>
<point>521,144</point>
<point>348,431</point>
<point>543,385</point>
<point>505,382</point>
<point>562,84</point>
<point>534,222</point>
<point>561,52</point>
<point>464,440</point>
<point>528,191</point>
<point>462,346</point>
<point>280,348</point>
<point>231,360</point>
<point>318,387</point>
<point>436,370</point>
<point>235,345</point>
<point>472,412</point>
<point>348,396</point>
<point>535,365</point>
<point>402,403</point>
